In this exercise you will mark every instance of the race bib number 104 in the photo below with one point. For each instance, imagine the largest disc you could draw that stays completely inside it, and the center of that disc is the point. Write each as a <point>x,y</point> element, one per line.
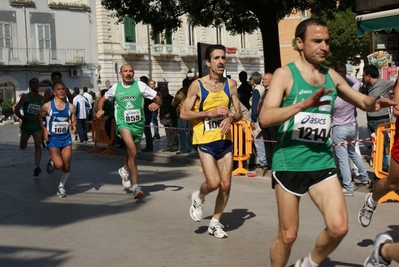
<point>311,127</point>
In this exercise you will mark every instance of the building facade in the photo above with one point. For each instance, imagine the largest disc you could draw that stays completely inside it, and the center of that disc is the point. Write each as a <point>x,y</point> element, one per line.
<point>38,37</point>
<point>168,57</point>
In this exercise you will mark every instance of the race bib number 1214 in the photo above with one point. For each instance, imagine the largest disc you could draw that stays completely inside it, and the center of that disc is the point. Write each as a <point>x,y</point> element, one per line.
<point>311,127</point>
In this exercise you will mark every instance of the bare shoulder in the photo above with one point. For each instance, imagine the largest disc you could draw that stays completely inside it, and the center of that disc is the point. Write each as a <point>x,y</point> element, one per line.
<point>232,82</point>
<point>71,106</point>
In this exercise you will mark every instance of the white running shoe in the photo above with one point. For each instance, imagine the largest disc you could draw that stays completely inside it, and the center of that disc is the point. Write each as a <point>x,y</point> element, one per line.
<point>196,207</point>
<point>300,263</point>
<point>217,230</point>
<point>61,192</point>
<point>125,178</point>
<point>375,259</point>
<point>366,212</point>
<point>137,193</point>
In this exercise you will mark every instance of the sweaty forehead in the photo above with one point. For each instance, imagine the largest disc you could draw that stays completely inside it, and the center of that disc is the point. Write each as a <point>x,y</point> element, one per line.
<point>317,31</point>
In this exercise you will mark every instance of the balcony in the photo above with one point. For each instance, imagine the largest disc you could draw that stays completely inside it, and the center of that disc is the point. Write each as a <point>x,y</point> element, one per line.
<point>165,50</point>
<point>69,4</point>
<point>33,56</point>
<point>248,53</point>
<point>135,48</point>
<point>22,3</point>
<point>188,51</point>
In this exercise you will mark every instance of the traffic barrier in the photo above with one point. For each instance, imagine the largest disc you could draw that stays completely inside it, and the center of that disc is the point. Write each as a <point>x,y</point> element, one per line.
<point>381,156</point>
<point>242,144</point>
<point>99,136</point>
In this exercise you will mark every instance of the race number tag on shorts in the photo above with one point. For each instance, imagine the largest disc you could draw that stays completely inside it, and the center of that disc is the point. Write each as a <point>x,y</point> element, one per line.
<point>311,127</point>
<point>213,123</point>
<point>132,115</point>
<point>59,127</point>
<point>33,108</point>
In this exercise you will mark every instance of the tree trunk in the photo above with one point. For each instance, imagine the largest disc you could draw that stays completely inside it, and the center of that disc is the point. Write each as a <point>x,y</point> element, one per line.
<point>268,26</point>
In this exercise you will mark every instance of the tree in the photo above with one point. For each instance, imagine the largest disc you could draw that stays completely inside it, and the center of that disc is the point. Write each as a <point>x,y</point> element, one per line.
<point>345,45</point>
<point>238,16</point>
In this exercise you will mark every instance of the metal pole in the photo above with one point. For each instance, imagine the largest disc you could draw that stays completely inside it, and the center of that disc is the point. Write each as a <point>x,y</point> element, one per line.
<point>149,53</point>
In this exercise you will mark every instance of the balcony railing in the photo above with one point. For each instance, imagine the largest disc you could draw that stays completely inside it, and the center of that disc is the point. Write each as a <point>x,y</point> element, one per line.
<point>32,56</point>
<point>248,53</point>
<point>179,50</point>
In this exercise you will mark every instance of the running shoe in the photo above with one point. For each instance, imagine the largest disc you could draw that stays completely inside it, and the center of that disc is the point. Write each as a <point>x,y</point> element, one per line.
<point>366,212</point>
<point>217,230</point>
<point>359,180</point>
<point>196,207</point>
<point>137,193</point>
<point>125,178</point>
<point>50,167</point>
<point>375,259</point>
<point>61,192</point>
<point>300,263</point>
<point>37,171</point>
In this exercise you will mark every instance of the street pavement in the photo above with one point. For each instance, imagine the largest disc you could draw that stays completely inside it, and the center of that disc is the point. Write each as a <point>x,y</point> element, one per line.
<point>100,224</point>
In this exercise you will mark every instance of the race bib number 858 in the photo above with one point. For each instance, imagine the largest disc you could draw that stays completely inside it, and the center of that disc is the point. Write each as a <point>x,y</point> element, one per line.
<point>311,127</point>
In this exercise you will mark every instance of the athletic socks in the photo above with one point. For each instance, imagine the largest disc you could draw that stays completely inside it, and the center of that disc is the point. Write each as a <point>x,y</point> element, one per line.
<point>309,262</point>
<point>64,178</point>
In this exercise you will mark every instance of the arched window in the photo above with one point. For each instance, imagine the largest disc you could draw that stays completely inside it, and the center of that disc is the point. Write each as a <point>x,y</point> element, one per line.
<point>7,91</point>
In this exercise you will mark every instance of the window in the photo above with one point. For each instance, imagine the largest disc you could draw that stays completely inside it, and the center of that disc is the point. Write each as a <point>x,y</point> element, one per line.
<point>130,29</point>
<point>7,92</point>
<point>43,36</point>
<point>168,36</point>
<point>5,35</point>
<point>191,38</point>
<point>219,34</point>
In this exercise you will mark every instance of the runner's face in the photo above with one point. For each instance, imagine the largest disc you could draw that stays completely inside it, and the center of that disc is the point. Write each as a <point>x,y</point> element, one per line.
<point>316,45</point>
<point>127,74</point>
<point>56,79</point>
<point>59,91</point>
<point>34,85</point>
<point>218,61</point>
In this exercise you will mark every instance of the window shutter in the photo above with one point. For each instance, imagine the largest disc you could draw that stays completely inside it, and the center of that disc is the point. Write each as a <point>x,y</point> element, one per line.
<point>168,36</point>
<point>130,29</point>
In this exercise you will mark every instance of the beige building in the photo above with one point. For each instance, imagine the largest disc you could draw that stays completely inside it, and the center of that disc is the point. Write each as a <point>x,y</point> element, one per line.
<point>168,57</point>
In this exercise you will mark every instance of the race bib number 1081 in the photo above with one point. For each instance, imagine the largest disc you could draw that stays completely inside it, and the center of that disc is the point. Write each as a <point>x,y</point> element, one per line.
<point>311,127</point>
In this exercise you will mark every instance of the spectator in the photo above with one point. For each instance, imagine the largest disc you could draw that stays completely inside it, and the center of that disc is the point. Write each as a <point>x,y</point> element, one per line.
<point>82,111</point>
<point>149,146</point>
<point>168,118</point>
<point>154,118</point>
<point>244,90</point>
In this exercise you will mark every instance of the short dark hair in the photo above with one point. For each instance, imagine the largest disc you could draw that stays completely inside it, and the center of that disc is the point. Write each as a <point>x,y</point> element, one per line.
<point>144,79</point>
<point>85,89</point>
<point>103,91</point>
<point>372,71</point>
<point>302,27</point>
<point>55,73</point>
<point>31,80</point>
<point>243,76</point>
<point>210,49</point>
<point>76,90</point>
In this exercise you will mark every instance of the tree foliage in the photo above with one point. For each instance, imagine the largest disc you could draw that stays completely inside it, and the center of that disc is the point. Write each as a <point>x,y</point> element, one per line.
<point>238,16</point>
<point>345,45</point>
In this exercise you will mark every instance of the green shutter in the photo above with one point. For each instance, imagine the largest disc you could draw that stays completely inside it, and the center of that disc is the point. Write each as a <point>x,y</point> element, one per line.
<point>130,29</point>
<point>156,39</point>
<point>168,36</point>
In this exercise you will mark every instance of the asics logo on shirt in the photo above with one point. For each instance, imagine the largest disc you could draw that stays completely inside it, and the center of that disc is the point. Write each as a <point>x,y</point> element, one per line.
<point>313,120</point>
<point>304,91</point>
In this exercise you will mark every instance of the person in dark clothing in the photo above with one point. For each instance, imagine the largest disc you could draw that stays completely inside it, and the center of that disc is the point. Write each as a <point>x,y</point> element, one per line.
<point>244,90</point>
<point>149,146</point>
<point>168,117</point>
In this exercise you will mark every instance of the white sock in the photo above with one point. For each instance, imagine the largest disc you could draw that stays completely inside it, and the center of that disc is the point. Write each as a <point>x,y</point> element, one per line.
<point>135,186</point>
<point>125,171</point>
<point>64,178</point>
<point>310,262</point>
<point>371,202</point>
<point>214,221</point>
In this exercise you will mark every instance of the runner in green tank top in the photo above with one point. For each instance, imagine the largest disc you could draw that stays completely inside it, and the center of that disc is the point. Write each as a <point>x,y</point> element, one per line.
<point>129,118</point>
<point>31,103</point>
<point>300,100</point>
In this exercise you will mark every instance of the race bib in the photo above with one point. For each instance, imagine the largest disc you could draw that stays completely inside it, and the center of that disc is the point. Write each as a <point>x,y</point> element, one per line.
<point>213,123</point>
<point>132,115</point>
<point>33,108</point>
<point>311,127</point>
<point>59,127</point>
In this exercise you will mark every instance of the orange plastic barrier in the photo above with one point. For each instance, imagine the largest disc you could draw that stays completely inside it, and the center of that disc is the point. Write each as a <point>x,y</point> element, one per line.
<point>99,136</point>
<point>242,144</point>
<point>381,159</point>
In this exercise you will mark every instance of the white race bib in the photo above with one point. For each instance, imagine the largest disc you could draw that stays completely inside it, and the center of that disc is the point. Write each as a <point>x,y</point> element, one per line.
<point>213,123</point>
<point>33,108</point>
<point>59,127</point>
<point>311,127</point>
<point>132,115</point>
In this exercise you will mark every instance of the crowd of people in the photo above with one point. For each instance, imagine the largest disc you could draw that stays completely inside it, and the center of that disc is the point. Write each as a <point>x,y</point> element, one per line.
<point>283,107</point>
